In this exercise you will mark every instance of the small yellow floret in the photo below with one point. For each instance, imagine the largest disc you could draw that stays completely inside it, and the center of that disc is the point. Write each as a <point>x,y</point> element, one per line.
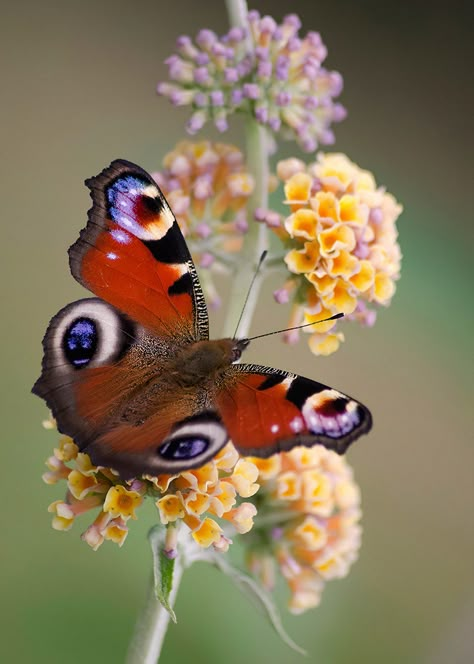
<point>119,501</point>
<point>326,206</point>
<point>80,485</point>
<point>267,468</point>
<point>364,278</point>
<point>63,515</point>
<point>200,479</point>
<point>244,477</point>
<point>224,498</point>
<point>303,223</point>
<point>85,465</point>
<point>242,517</point>
<point>351,210</point>
<point>345,265</point>
<point>288,486</point>
<point>209,532</point>
<point>196,503</point>
<point>310,534</point>
<point>333,239</point>
<point>316,486</point>
<point>325,344</point>
<point>320,316</point>
<point>116,531</point>
<point>300,261</point>
<point>384,288</point>
<point>341,299</point>
<point>226,458</point>
<point>170,508</point>
<point>67,450</point>
<point>298,188</point>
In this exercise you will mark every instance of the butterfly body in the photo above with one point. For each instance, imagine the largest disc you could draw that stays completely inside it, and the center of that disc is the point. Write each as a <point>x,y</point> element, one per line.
<point>204,362</point>
<point>131,374</point>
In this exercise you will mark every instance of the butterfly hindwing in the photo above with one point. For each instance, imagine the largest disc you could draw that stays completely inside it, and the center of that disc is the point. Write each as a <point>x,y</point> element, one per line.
<point>110,386</point>
<point>85,339</point>
<point>170,441</point>
<point>132,254</point>
<point>266,411</point>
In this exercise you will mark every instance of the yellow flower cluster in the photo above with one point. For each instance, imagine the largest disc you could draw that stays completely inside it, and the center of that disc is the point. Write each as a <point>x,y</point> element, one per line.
<point>207,187</point>
<point>309,509</point>
<point>343,245</point>
<point>193,496</point>
<point>212,489</point>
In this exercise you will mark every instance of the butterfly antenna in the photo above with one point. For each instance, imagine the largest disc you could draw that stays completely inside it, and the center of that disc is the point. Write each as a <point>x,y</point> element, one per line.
<point>298,327</point>
<point>261,259</point>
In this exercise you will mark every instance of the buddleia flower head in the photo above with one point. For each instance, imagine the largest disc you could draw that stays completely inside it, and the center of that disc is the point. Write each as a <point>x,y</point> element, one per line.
<point>267,70</point>
<point>208,500</point>
<point>340,238</point>
<point>307,528</point>
<point>299,510</point>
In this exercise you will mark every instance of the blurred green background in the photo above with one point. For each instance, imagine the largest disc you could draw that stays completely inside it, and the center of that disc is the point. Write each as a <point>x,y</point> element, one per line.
<point>78,91</point>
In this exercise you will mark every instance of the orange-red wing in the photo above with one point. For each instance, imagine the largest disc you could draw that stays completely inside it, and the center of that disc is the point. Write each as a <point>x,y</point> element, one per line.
<point>266,411</point>
<point>132,254</point>
<point>154,428</point>
<point>96,361</point>
<point>109,386</point>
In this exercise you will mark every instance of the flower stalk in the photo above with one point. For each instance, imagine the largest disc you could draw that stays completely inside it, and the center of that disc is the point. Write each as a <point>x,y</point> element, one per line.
<point>256,240</point>
<point>237,12</point>
<point>152,623</point>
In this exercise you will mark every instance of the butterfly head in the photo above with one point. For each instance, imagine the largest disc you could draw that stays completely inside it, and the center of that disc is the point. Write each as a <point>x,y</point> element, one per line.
<point>238,347</point>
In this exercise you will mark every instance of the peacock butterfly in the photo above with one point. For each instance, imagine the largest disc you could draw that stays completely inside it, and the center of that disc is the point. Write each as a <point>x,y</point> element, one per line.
<point>131,374</point>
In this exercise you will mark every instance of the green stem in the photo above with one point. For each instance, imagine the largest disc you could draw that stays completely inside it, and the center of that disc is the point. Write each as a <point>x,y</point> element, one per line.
<point>256,240</point>
<point>152,624</point>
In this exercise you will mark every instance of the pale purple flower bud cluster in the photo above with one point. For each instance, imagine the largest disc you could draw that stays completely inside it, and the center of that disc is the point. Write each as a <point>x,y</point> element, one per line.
<point>266,70</point>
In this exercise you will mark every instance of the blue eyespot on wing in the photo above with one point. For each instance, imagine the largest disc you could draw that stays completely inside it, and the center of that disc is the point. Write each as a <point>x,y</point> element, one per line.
<point>80,342</point>
<point>160,445</point>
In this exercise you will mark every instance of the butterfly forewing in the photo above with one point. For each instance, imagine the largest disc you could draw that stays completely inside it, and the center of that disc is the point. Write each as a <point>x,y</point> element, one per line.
<point>266,411</point>
<point>133,255</point>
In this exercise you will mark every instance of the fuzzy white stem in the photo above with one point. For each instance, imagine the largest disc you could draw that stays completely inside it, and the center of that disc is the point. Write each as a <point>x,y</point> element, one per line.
<point>237,11</point>
<point>256,240</point>
<point>152,624</point>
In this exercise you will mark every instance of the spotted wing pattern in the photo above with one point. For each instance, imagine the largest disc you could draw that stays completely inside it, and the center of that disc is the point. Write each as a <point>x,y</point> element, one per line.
<point>266,410</point>
<point>132,254</point>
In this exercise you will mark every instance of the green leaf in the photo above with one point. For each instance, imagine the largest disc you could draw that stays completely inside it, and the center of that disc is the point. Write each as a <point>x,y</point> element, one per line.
<point>260,597</point>
<point>162,569</point>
